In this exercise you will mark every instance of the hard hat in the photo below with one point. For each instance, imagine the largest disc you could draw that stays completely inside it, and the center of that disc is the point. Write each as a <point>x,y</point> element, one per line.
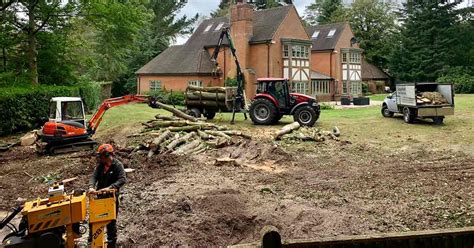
<point>105,150</point>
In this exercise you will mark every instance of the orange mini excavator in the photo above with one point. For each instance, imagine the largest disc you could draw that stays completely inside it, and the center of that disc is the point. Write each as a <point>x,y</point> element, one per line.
<point>67,129</point>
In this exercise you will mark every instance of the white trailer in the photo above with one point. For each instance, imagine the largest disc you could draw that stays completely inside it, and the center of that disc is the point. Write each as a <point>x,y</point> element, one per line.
<point>404,100</point>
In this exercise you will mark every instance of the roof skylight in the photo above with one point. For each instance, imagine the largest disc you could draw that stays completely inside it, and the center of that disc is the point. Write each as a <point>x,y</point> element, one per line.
<point>219,27</point>
<point>331,33</point>
<point>315,34</point>
<point>208,28</point>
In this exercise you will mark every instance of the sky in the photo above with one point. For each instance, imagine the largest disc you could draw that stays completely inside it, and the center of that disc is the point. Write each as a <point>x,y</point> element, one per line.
<point>205,7</point>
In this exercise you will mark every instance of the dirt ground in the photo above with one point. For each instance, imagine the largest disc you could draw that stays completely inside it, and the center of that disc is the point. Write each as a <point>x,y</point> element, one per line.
<point>306,190</point>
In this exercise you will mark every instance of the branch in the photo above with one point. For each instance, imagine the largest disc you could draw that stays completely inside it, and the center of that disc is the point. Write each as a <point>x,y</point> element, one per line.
<point>6,5</point>
<point>45,21</point>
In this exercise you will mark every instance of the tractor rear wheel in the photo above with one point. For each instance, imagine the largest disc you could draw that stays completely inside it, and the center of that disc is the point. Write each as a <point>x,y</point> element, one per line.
<point>262,111</point>
<point>306,116</point>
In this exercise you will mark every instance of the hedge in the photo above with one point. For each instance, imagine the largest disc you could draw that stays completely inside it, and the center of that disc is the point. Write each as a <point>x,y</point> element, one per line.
<point>24,108</point>
<point>462,78</point>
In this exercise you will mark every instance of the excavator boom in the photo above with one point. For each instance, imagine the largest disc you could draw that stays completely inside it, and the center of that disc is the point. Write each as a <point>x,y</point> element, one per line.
<point>96,119</point>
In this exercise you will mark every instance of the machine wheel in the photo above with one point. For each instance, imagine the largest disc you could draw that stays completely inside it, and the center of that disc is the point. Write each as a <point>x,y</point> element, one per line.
<point>209,114</point>
<point>305,115</point>
<point>194,112</point>
<point>438,120</point>
<point>386,112</point>
<point>408,116</point>
<point>262,111</point>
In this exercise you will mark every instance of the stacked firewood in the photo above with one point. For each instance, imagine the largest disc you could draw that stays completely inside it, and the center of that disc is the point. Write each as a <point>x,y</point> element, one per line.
<point>206,96</point>
<point>294,131</point>
<point>431,98</point>
<point>184,134</point>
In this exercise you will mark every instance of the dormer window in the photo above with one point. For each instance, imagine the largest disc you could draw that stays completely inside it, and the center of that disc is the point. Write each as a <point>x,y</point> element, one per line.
<point>219,27</point>
<point>331,33</point>
<point>315,34</point>
<point>208,28</point>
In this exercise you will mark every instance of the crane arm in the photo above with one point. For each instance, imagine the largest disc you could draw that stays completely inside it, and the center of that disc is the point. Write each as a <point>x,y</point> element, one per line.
<point>110,103</point>
<point>240,76</point>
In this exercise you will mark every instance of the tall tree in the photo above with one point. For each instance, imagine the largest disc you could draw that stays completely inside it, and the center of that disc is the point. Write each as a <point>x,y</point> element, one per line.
<point>30,17</point>
<point>154,37</point>
<point>224,6</point>
<point>424,48</point>
<point>324,11</point>
<point>373,23</point>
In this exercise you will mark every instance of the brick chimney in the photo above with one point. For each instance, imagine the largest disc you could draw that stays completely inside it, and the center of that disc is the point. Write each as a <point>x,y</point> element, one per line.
<point>241,19</point>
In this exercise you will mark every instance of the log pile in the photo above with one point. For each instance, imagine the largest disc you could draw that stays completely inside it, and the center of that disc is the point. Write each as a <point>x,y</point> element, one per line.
<point>295,132</point>
<point>430,98</point>
<point>180,135</point>
<point>214,97</point>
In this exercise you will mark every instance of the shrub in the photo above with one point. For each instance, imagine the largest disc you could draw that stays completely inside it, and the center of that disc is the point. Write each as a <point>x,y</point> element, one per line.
<point>326,106</point>
<point>23,108</point>
<point>461,77</point>
<point>230,82</point>
<point>169,97</point>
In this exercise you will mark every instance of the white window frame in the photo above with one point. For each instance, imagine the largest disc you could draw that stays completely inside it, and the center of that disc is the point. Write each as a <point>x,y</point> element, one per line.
<point>315,34</point>
<point>208,28</point>
<point>331,33</point>
<point>219,27</point>
<point>300,87</point>
<point>321,86</point>
<point>197,83</point>
<point>155,85</point>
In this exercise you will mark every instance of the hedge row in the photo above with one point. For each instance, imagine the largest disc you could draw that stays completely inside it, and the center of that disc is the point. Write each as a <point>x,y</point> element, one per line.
<point>26,108</point>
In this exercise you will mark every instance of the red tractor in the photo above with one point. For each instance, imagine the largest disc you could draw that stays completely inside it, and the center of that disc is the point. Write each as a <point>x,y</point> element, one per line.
<point>273,100</point>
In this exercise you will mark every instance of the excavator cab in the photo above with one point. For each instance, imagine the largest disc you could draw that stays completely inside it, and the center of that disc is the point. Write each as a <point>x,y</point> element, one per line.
<point>67,109</point>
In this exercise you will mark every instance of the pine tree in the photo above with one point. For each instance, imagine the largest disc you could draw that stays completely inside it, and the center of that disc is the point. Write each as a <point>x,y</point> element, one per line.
<point>425,42</point>
<point>325,11</point>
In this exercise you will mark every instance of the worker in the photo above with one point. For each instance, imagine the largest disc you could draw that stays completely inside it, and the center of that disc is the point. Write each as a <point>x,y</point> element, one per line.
<point>108,174</point>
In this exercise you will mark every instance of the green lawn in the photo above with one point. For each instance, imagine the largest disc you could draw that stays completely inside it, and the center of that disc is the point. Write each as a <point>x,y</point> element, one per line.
<point>357,125</point>
<point>378,97</point>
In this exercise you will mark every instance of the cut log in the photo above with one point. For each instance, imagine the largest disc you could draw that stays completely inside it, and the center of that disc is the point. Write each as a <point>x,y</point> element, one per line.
<point>187,147</point>
<point>176,112</point>
<point>198,95</point>
<point>206,89</point>
<point>201,146</point>
<point>28,139</point>
<point>160,124</point>
<point>218,133</point>
<point>166,118</point>
<point>236,133</point>
<point>180,140</point>
<point>287,129</point>
<point>336,132</point>
<point>203,135</point>
<point>185,128</point>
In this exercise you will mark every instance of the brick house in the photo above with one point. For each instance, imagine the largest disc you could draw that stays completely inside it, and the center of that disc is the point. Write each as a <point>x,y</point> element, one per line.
<point>269,43</point>
<point>374,77</point>
<point>323,61</point>
<point>336,62</point>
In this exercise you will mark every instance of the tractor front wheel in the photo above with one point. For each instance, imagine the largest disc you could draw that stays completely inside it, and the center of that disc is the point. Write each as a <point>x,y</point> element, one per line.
<point>306,116</point>
<point>262,111</point>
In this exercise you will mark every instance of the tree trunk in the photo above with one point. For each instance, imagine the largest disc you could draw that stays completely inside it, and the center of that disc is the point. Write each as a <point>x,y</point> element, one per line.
<point>197,95</point>
<point>176,112</point>
<point>187,147</point>
<point>32,53</point>
<point>180,140</point>
<point>207,89</point>
<point>287,129</point>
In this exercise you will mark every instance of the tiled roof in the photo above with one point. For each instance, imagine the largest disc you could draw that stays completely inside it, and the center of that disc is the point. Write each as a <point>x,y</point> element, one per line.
<point>319,75</point>
<point>193,58</point>
<point>323,42</point>
<point>372,72</point>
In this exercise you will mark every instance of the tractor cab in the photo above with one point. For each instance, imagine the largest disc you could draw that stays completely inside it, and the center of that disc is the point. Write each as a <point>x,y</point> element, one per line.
<point>277,88</point>
<point>67,109</point>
